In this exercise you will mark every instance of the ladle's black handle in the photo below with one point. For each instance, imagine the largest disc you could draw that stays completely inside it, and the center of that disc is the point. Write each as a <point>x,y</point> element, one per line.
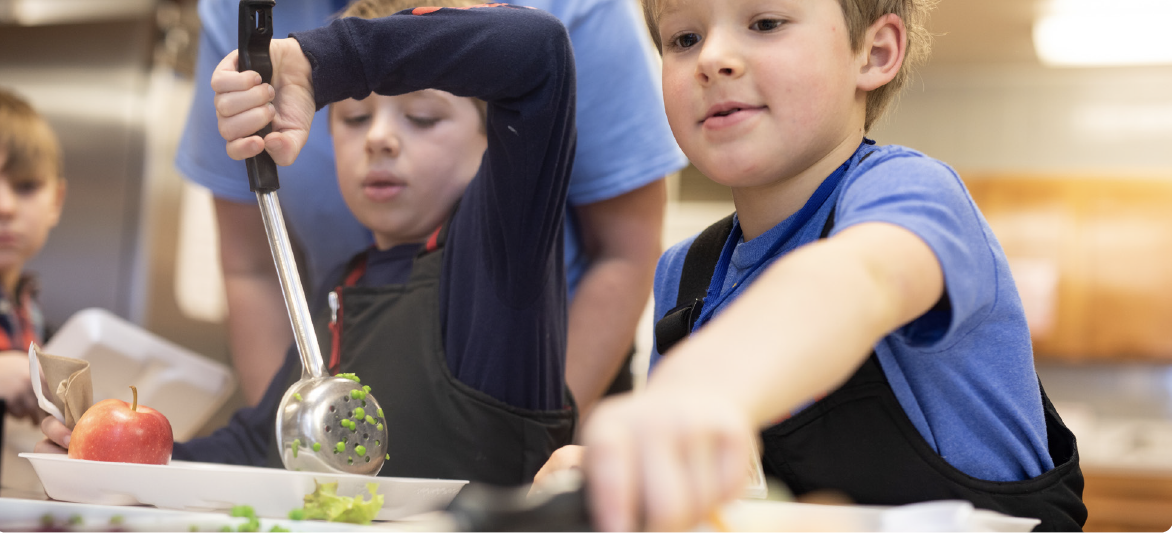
<point>256,32</point>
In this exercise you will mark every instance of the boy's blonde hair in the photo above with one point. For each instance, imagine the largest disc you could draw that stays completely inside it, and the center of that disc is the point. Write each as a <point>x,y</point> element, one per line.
<point>859,15</point>
<point>374,9</point>
<point>30,147</point>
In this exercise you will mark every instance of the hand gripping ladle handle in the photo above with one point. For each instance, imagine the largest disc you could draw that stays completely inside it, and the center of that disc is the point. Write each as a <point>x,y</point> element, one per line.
<point>256,32</point>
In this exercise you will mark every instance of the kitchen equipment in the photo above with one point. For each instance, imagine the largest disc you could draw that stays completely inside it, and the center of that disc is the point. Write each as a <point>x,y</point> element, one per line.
<point>324,423</point>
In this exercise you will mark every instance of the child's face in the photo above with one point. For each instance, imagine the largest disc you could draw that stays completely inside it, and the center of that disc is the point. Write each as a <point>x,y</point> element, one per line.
<point>404,160</point>
<point>756,91</point>
<point>29,207</point>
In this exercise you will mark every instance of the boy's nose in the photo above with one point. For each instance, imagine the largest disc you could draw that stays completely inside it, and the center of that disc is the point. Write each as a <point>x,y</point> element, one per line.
<point>7,199</point>
<point>719,59</point>
<point>382,138</point>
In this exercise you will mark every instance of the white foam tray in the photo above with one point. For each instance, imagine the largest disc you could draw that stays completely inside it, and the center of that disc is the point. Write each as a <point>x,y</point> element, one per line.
<point>201,487</point>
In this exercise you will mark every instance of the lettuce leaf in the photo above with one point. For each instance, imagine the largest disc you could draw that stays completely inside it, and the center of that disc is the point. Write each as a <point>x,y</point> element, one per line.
<point>325,503</point>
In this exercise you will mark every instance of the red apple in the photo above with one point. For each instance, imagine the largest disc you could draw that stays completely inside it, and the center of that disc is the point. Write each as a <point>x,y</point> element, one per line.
<point>114,431</point>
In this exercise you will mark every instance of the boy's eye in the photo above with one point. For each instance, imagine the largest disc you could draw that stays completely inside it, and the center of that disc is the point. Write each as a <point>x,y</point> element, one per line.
<point>685,41</point>
<point>27,187</point>
<point>423,122</point>
<point>356,120</point>
<point>765,25</point>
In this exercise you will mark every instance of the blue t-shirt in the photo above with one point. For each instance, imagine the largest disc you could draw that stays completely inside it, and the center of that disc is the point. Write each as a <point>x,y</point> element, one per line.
<point>965,377</point>
<point>624,142</point>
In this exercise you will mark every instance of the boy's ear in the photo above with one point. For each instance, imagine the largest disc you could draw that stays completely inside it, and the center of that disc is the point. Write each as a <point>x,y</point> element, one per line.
<point>884,48</point>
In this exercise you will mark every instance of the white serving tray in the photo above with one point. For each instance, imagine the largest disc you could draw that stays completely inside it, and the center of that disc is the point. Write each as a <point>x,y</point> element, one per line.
<point>24,515</point>
<point>201,487</point>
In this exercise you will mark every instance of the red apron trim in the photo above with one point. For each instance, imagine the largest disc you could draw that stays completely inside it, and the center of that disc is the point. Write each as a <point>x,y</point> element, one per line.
<point>352,278</point>
<point>433,241</point>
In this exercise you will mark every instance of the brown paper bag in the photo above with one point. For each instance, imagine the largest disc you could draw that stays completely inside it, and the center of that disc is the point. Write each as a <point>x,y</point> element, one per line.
<point>70,387</point>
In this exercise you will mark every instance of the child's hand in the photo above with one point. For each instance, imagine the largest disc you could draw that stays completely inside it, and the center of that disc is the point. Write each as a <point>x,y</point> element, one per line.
<point>244,105</point>
<point>56,437</point>
<point>668,457</point>
<point>15,387</point>
<point>564,459</point>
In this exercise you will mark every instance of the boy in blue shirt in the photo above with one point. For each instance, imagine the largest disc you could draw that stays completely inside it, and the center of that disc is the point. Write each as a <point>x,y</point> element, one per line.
<point>856,312</point>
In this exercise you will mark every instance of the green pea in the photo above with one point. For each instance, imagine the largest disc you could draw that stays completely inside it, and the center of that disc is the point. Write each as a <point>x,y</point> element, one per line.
<point>369,420</point>
<point>341,446</point>
<point>346,423</point>
<point>359,413</point>
<point>366,389</point>
<point>349,376</point>
<point>380,426</point>
<point>388,456</point>
<point>350,460</point>
<point>354,393</point>
<point>297,396</point>
<point>317,447</point>
<point>297,514</point>
<point>360,450</point>
<point>296,446</point>
<point>380,414</point>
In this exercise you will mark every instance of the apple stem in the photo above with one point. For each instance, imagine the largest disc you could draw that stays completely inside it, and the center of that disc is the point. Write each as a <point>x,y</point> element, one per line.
<point>134,402</point>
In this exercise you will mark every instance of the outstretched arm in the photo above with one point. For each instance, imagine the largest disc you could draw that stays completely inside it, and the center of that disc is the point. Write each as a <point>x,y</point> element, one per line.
<point>678,449</point>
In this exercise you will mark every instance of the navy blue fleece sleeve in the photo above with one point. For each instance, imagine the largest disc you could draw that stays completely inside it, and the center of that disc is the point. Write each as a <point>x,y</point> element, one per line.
<point>503,289</point>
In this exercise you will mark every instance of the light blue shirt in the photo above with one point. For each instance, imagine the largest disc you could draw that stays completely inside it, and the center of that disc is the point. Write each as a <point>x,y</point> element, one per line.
<point>624,142</point>
<point>964,377</point>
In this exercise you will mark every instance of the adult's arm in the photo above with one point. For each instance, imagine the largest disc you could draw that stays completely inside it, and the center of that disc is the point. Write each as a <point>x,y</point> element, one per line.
<point>679,448</point>
<point>259,332</point>
<point>622,237</point>
<point>616,196</point>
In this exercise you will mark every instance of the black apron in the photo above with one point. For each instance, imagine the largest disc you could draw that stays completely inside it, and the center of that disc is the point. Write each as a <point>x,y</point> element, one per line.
<point>858,440</point>
<point>437,426</point>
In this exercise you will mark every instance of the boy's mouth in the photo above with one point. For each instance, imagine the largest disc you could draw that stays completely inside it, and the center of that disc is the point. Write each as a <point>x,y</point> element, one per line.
<point>723,114</point>
<point>381,187</point>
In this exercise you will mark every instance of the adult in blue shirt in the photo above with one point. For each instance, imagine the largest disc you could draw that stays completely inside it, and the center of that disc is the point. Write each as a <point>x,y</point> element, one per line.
<point>616,198</point>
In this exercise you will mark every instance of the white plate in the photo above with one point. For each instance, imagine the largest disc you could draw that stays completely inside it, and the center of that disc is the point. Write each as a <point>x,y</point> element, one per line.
<point>199,487</point>
<point>23,515</point>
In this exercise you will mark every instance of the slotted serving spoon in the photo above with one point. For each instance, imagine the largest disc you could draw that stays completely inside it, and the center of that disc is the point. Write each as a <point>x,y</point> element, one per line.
<point>324,423</point>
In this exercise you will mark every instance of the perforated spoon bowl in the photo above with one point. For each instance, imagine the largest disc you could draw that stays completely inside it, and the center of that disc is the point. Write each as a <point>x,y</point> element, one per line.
<point>324,423</point>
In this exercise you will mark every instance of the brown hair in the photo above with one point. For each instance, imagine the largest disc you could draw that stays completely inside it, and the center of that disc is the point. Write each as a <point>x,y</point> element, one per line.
<point>859,15</point>
<point>28,144</point>
<point>374,9</point>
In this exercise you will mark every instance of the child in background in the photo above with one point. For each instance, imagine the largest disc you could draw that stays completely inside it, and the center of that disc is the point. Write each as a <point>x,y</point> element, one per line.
<point>456,318</point>
<point>32,192</point>
<point>856,313</point>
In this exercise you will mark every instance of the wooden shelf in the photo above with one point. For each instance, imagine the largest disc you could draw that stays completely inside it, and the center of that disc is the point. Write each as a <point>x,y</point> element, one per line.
<point>1090,257</point>
<point>1127,501</point>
